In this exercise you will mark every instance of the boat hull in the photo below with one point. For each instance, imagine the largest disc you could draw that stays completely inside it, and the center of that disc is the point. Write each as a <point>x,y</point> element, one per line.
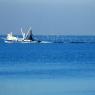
<point>25,41</point>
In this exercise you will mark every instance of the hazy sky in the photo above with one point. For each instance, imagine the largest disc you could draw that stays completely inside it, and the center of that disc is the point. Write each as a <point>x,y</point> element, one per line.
<point>66,17</point>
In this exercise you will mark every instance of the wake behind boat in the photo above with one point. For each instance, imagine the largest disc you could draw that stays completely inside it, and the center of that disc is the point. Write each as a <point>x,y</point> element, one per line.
<point>26,38</point>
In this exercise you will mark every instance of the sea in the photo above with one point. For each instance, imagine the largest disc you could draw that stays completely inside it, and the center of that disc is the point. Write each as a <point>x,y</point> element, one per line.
<point>66,66</point>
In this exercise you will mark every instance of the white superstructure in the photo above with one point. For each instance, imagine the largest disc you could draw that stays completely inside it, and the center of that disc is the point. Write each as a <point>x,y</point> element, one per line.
<point>10,37</point>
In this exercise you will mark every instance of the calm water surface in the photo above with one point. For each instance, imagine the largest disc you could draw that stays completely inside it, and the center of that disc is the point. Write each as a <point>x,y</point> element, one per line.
<point>47,69</point>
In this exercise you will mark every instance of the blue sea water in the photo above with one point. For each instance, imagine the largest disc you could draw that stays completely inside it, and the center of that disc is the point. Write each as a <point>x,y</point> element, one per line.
<point>48,69</point>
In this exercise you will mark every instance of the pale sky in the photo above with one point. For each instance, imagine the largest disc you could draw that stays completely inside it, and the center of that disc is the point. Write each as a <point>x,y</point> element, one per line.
<point>56,17</point>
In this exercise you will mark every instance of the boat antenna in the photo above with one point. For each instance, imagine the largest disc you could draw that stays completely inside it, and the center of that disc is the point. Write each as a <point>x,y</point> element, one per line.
<point>23,34</point>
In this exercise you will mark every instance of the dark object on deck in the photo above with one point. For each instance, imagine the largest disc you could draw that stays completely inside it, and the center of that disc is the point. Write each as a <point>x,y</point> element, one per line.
<point>30,35</point>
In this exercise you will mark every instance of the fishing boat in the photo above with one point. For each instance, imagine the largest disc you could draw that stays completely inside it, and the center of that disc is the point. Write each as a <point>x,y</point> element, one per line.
<point>26,38</point>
